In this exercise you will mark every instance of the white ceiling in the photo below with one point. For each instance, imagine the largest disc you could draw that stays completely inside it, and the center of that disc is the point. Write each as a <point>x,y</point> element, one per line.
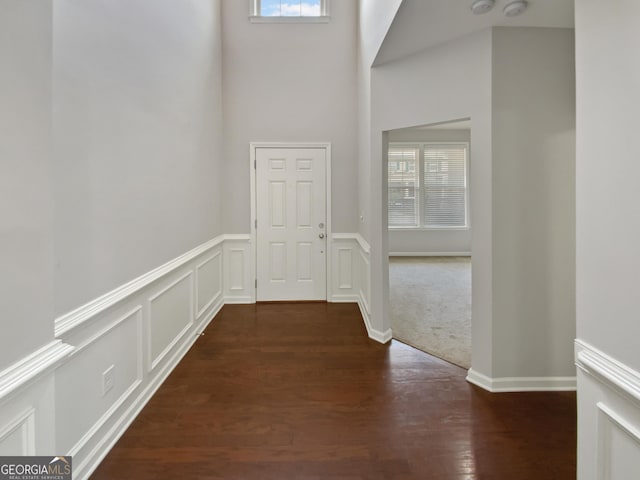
<point>456,125</point>
<point>421,24</point>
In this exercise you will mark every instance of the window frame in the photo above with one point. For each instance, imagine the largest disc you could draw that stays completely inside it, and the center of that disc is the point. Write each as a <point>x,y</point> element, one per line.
<point>255,17</point>
<point>422,189</point>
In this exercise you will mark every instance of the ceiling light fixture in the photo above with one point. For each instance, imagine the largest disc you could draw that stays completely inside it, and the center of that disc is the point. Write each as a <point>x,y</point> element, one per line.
<point>515,8</point>
<point>478,7</point>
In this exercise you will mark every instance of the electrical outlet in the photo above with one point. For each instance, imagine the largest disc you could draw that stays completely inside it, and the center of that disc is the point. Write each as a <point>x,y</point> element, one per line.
<point>108,379</point>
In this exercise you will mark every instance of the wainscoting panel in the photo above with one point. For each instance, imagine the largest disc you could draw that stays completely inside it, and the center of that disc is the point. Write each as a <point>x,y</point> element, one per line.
<point>18,436</point>
<point>77,395</point>
<point>608,416</point>
<point>343,286</point>
<point>125,344</point>
<point>170,317</point>
<point>116,351</point>
<point>239,286</point>
<point>208,282</point>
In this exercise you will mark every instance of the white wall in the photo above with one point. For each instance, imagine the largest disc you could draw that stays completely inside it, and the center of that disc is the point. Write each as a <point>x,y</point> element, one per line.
<point>533,143</point>
<point>608,228</point>
<point>26,254</point>
<point>434,241</point>
<point>290,83</point>
<point>522,145</point>
<point>374,20</point>
<point>137,129</point>
<point>432,87</point>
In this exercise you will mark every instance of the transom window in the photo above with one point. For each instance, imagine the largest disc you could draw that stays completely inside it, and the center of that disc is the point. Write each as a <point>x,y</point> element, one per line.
<point>290,8</point>
<point>428,185</point>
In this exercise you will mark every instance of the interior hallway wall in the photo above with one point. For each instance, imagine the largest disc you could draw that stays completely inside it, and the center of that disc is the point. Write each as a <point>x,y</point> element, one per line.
<point>533,138</point>
<point>290,82</point>
<point>608,228</point>
<point>410,92</point>
<point>137,115</point>
<point>26,207</point>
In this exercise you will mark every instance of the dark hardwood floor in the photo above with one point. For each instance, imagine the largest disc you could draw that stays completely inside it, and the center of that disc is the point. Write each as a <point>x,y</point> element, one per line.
<point>298,391</point>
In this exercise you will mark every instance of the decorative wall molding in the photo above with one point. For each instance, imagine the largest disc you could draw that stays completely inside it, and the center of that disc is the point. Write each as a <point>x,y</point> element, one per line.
<point>165,321</point>
<point>209,270</point>
<point>608,370</point>
<point>608,415</point>
<point>22,429</point>
<point>239,286</point>
<point>30,368</point>
<point>73,319</point>
<point>351,278</point>
<point>175,301</point>
<point>521,384</point>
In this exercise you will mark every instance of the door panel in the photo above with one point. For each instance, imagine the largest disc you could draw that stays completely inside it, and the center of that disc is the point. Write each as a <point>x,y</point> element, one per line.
<point>291,217</point>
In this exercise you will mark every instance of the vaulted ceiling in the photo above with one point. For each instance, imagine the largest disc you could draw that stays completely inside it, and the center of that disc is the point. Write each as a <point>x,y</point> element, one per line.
<point>420,24</point>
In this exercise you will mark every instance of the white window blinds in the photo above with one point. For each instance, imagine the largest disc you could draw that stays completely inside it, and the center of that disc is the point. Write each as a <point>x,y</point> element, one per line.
<point>445,185</point>
<point>403,186</point>
<point>428,185</point>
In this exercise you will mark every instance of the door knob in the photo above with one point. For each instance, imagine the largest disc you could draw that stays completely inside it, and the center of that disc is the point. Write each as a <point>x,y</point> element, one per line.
<point>321,235</point>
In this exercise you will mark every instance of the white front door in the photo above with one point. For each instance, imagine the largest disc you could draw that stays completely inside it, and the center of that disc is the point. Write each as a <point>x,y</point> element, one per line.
<point>291,218</point>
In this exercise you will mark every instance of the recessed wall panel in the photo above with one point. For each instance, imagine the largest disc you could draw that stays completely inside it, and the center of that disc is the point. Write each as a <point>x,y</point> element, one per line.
<point>208,282</point>
<point>170,314</point>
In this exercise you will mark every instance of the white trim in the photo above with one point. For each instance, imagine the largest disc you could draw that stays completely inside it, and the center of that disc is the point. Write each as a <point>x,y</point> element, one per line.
<point>608,419</point>
<point>364,245</point>
<point>255,17</point>
<point>31,367</point>
<point>429,254</point>
<point>259,19</point>
<point>73,319</point>
<point>378,336</point>
<point>253,185</point>
<point>152,363</point>
<point>26,423</point>
<point>607,370</point>
<point>199,266</point>
<point>521,384</point>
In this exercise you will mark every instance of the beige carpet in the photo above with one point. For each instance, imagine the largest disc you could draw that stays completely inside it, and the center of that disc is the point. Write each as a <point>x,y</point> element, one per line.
<point>430,301</point>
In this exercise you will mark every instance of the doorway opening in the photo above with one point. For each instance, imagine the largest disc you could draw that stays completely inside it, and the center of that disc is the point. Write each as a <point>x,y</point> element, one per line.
<point>429,237</point>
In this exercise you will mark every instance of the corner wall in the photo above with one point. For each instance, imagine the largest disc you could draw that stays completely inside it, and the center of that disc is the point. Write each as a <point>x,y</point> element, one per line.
<point>410,92</point>
<point>608,228</point>
<point>533,142</point>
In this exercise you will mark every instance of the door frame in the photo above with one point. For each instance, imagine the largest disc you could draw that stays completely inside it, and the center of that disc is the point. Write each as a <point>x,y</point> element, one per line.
<point>254,207</point>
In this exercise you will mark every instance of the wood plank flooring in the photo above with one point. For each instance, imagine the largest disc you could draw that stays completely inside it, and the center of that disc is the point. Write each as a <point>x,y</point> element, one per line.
<point>298,391</point>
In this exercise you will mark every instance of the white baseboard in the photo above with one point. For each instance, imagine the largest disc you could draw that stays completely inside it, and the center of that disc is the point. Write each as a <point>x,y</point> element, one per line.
<point>521,384</point>
<point>429,254</point>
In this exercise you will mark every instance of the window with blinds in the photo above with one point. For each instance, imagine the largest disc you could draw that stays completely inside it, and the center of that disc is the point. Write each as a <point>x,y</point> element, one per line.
<point>431,192</point>
<point>403,186</point>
